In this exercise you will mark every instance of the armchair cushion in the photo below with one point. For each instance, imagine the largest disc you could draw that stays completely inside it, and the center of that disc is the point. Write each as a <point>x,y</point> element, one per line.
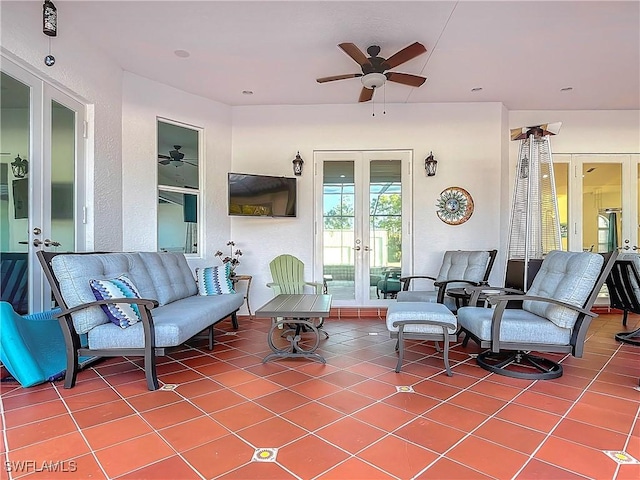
<point>517,326</point>
<point>463,265</point>
<point>565,276</point>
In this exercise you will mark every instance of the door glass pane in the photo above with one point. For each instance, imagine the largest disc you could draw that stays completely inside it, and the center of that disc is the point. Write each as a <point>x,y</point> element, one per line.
<point>561,176</point>
<point>178,188</point>
<point>602,206</point>
<point>63,155</point>
<point>385,225</point>
<point>338,200</point>
<point>14,191</point>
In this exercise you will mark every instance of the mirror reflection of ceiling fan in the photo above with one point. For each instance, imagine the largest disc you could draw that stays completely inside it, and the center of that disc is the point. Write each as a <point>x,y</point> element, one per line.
<point>374,68</point>
<point>176,158</point>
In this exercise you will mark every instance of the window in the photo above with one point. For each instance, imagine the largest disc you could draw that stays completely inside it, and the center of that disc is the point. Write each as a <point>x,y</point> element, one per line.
<point>178,187</point>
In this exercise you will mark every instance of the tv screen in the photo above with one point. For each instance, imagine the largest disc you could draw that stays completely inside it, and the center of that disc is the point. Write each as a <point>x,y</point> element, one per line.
<point>261,195</point>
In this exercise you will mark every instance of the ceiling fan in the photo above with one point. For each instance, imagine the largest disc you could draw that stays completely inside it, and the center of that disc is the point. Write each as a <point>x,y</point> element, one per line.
<point>374,68</point>
<point>175,158</point>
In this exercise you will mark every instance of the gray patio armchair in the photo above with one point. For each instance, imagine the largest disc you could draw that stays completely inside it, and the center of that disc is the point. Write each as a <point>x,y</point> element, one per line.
<point>459,268</point>
<point>554,317</point>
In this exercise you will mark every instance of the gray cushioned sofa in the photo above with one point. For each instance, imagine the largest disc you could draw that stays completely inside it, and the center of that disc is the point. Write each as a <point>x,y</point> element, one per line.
<point>170,307</point>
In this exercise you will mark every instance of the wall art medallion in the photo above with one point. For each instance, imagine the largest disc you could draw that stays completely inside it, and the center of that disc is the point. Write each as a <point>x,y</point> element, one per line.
<point>454,206</point>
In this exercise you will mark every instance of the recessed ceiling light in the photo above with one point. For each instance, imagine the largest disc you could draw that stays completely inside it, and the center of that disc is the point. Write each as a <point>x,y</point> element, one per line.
<point>476,89</point>
<point>247,92</point>
<point>181,53</point>
<point>566,89</point>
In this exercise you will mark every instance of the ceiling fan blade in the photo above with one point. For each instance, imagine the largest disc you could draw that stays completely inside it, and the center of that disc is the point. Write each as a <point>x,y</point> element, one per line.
<point>354,52</point>
<point>338,77</point>
<point>190,163</point>
<point>405,79</point>
<point>366,94</point>
<point>405,55</point>
<point>164,161</point>
<point>160,155</point>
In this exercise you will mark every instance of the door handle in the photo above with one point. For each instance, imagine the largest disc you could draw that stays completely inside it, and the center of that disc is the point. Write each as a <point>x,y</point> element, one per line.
<point>366,248</point>
<point>50,243</point>
<point>357,248</point>
<point>37,242</point>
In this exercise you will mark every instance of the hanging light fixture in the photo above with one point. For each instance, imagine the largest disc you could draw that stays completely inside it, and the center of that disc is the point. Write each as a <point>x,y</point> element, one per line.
<point>49,18</point>
<point>430,165</point>
<point>20,167</point>
<point>297,165</point>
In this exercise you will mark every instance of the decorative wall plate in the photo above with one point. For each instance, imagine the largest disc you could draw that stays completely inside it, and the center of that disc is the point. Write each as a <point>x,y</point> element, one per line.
<point>454,206</point>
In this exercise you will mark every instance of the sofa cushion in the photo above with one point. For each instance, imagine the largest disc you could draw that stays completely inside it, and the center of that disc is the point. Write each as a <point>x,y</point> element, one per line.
<point>174,323</point>
<point>121,314</point>
<point>214,280</point>
<point>171,276</point>
<point>75,271</point>
<point>565,276</point>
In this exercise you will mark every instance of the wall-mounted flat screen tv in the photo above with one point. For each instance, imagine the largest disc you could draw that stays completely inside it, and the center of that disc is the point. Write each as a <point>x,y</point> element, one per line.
<point>262,195</point>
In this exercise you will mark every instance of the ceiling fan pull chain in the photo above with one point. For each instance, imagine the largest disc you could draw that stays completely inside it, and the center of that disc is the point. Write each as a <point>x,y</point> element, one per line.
<point>384,98</point>
<point>373,106</point>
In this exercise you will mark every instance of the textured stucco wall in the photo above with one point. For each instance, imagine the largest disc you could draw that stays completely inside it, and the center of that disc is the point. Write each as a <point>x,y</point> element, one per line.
<point>93,78</point>
<point>466,139</point>
<point>144,101</point>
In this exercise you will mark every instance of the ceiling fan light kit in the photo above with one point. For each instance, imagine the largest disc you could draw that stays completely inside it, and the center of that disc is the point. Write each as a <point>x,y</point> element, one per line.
<point>373,80</point>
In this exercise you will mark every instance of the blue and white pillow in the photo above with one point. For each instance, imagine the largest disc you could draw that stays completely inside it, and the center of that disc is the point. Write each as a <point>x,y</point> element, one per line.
<point>122,314</point>
<point>214,280</point>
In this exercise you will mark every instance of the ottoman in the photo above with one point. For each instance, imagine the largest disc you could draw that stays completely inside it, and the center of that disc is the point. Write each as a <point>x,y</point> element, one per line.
<point>421,321</point>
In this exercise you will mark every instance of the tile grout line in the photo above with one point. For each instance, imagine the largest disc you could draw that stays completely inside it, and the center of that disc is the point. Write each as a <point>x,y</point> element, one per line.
<point>564,415</point>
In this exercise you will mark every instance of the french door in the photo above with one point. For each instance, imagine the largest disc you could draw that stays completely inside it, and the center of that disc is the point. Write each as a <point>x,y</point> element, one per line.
<point>599,202</point>
<point>602,201</point>
<point>42,179</point>
<point>362,218</point>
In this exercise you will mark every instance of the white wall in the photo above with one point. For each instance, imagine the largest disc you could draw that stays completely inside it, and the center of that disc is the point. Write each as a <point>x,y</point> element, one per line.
<point>92,77</point>
<point>466,139</point>
<point>143,102</point>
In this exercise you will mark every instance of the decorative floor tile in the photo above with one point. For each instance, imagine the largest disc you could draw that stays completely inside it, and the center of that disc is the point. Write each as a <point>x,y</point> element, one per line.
<point>404,389</point>
<point>168,387</point>
<point>265,455</point>
<point>622,458</point>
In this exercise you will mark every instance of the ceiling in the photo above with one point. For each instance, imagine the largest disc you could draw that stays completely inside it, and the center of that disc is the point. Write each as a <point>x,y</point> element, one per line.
<point>520,53</point>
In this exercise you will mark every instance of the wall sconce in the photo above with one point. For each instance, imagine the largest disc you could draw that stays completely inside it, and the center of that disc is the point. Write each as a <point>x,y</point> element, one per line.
<point>430,165</point>
<point>20,167</point>
<point>49,18</point>
<point>297,165</point>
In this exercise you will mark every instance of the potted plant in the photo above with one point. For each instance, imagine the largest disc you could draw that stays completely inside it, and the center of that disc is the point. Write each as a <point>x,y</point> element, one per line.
<point>233,258</point>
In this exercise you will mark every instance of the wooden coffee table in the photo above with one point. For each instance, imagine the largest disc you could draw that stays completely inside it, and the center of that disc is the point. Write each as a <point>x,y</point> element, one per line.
<point>291,317</point>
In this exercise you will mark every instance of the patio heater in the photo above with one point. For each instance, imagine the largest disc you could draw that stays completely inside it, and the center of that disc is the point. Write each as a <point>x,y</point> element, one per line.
<point>535,225</point>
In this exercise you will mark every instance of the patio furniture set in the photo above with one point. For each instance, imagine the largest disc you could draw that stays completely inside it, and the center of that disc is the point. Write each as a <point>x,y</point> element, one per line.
<point>171,307</point>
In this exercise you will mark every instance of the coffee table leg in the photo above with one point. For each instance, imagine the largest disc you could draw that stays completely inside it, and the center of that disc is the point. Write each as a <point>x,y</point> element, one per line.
<point>294,349</point>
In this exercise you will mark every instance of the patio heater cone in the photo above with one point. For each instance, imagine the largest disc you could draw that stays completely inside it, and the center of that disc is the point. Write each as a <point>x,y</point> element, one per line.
<point>535,224</point>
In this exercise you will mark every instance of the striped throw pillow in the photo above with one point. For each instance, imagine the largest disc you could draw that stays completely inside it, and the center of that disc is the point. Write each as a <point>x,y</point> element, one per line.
<point>122,314</point>
<point>214,280</point>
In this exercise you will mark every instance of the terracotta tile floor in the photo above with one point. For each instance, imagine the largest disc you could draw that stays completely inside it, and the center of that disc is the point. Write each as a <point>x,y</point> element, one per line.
<point>342,420</point>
